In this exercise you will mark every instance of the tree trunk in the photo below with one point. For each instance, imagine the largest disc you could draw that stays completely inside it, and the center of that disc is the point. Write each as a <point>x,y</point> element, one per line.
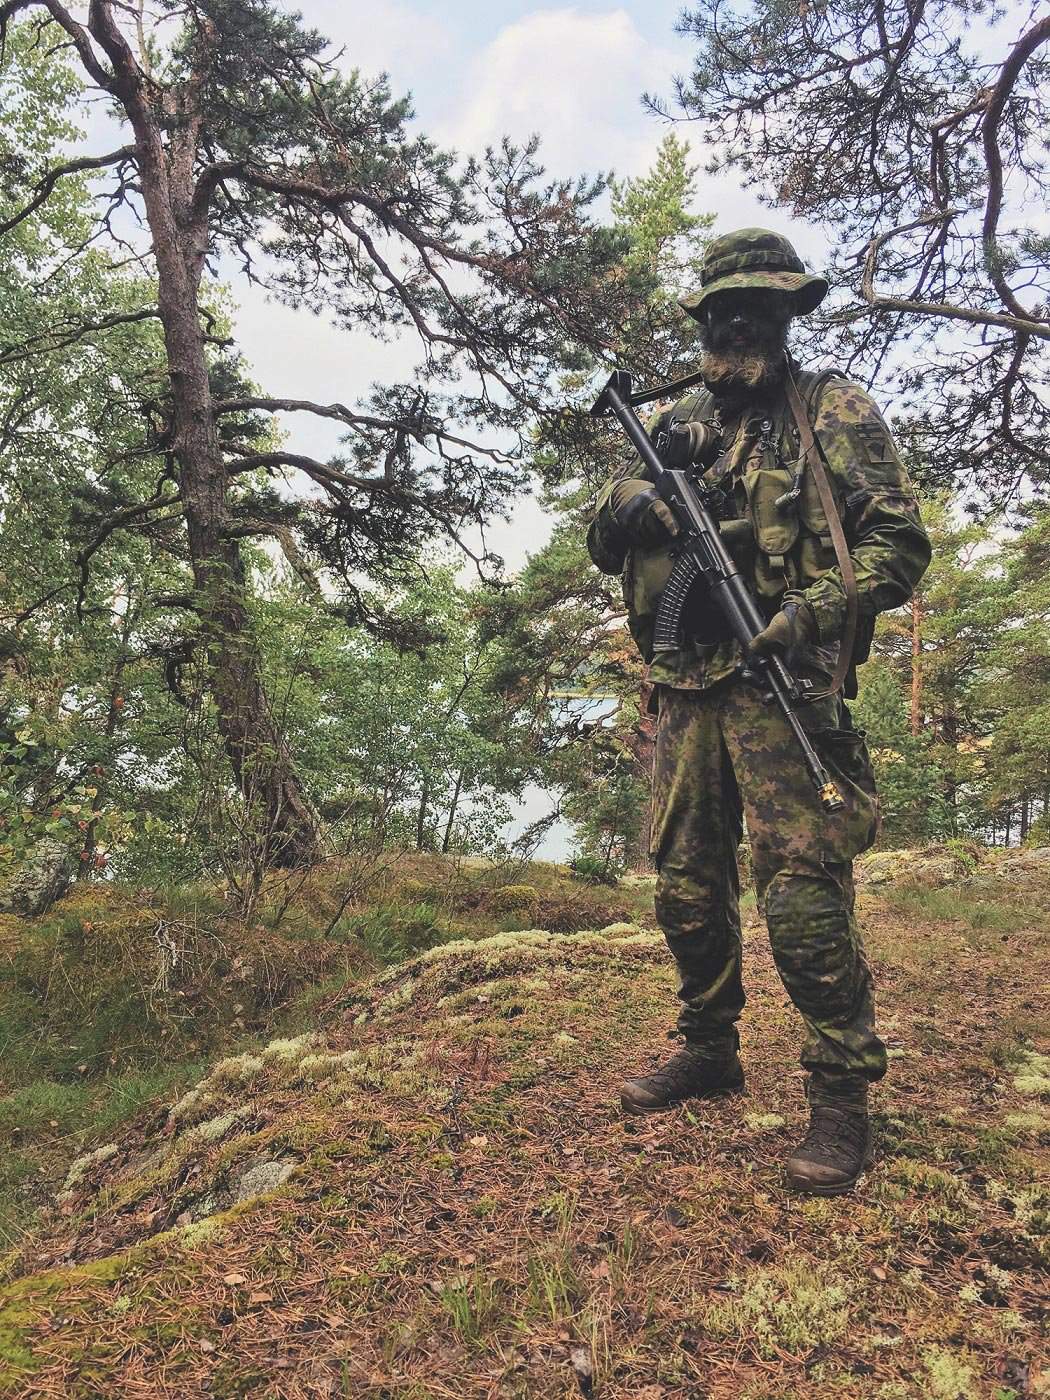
<point>447,838</point>
<point>257,751</point>
<point>113,714</point>
<point>421,818</point>
<point>916,665</point>
<point>1025,818</point>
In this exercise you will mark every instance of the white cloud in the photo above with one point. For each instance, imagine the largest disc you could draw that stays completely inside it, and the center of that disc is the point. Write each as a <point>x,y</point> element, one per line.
<point>389,37</point>
<point>576,79</point>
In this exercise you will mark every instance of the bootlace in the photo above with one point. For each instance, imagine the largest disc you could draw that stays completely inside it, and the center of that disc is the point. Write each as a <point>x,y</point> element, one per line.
<point>682,1068</point>
<point>831,1129</point>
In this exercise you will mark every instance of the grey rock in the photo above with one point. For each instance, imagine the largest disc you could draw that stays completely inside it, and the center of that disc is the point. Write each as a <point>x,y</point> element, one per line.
<point>260,1178</point>
<point>42,877</point>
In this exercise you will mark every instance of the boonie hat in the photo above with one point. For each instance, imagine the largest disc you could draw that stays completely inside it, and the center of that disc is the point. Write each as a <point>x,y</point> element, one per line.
<point>755,257</point>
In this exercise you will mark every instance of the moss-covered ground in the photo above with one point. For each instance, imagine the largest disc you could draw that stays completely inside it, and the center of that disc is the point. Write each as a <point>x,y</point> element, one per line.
<point>418,1182</point>
<point>118,998</point>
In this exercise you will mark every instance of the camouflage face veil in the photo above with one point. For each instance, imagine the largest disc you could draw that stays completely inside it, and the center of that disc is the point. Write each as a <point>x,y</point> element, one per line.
<point>755,258</point>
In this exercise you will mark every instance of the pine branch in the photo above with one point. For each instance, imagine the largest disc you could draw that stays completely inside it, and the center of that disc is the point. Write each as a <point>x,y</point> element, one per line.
<point>1000,94</point>
<point>1022,325</point>
<point>418,428</point>
<point>116,521</point>
<point>57,339</point>
<point>46,185</point>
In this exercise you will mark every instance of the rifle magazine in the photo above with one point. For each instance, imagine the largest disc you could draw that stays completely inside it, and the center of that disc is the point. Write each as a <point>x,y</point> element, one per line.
<point>667,634</point>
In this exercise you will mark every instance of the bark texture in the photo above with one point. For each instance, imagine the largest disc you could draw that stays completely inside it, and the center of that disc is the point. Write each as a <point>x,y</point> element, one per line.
<point>166,149</point>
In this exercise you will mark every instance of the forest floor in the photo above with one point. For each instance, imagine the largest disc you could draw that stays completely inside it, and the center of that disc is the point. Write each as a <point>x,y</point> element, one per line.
<point>425,1188</point>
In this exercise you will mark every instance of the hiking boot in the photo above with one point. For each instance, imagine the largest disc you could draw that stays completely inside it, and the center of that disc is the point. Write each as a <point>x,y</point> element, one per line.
<point>691,1074</point>
<point>837,1148</point>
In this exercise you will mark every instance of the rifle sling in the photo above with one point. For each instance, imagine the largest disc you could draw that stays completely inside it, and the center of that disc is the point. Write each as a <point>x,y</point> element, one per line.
<point>814,460</point>
<point>666,391</point>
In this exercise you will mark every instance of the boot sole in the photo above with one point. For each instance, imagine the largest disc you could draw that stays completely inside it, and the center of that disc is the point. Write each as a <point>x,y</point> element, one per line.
<point>805,1188</point>
<point>640,1111</point>
<point>839,1188</point>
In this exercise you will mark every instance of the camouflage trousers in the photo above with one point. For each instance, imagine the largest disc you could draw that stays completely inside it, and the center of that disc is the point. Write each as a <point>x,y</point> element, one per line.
<point>722,754</point>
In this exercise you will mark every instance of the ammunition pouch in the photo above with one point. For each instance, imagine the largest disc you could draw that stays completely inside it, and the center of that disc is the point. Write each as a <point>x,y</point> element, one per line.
<point>776,526</point>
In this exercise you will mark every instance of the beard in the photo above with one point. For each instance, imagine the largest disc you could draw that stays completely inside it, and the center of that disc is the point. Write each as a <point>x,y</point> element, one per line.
<point>737,369</point>
<point>731,373</point>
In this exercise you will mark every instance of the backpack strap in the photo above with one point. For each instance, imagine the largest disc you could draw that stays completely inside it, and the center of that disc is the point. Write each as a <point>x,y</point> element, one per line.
<point>814,460</point>
<point>812,383</point>
<point>698,407</point>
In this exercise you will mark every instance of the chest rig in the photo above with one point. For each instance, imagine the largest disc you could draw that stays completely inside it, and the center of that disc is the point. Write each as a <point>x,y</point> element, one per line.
<point>771,511</point>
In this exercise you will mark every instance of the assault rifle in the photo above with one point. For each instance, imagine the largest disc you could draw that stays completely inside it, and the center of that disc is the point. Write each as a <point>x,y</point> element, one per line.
<point>700,553</point>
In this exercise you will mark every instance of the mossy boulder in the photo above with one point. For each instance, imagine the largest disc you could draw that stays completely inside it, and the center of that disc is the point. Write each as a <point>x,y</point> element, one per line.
<point>508,899</point>
<point>930,867</point>
<point>37,881</point>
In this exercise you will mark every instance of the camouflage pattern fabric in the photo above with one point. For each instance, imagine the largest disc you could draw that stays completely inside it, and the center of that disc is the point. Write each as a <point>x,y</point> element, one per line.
<point>792,556</point>
<point>750,258</point>
<point>721,753</point>
<point>714,747</point>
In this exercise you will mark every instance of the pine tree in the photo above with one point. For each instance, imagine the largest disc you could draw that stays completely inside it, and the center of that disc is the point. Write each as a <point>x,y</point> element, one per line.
<point>246,140</point>
<point>571,674</point>
<point>911,133</point>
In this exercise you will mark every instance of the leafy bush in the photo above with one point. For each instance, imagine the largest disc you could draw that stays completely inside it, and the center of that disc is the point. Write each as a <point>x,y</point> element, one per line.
<point>392,932</point>
<point>594,870</point>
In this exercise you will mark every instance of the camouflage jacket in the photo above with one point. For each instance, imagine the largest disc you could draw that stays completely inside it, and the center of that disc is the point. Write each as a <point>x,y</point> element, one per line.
<point>784,551</point>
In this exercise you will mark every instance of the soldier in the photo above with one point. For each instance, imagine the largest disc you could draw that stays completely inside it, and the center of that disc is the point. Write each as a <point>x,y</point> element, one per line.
<point>721,752</point>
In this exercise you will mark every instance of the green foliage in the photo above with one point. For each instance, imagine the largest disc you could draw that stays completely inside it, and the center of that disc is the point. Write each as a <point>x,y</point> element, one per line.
<point>653,212</point>
<point>665,242</point>
<point>397,746</point>
<point>980,761</point>
<point>393,932</point>
<point>78,660</point>
<point>914,804</point>
<point>608,797</point>
<point>594,870</point>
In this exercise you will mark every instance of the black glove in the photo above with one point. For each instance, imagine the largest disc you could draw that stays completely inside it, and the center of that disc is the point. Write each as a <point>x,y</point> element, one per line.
<point>639,513</point>
<point>793,627</point>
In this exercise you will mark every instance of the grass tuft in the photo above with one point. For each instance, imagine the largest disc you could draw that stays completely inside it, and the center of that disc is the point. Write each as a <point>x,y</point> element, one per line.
<point>554,1289</point>
<point>473,1305</point>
